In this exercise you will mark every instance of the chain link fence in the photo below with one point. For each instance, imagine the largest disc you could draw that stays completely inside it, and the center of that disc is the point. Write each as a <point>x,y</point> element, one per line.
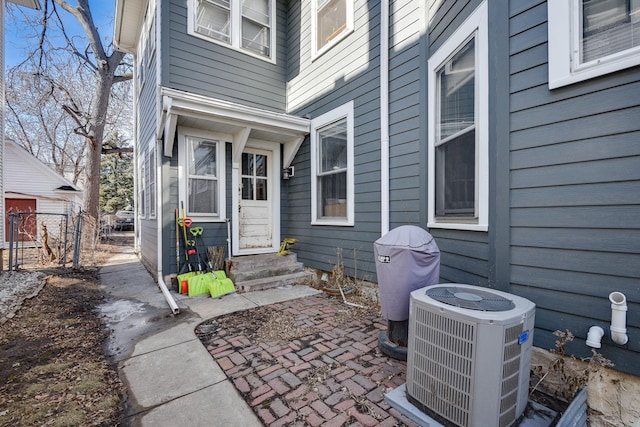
<point>39,239</point>
<point>42,240</point>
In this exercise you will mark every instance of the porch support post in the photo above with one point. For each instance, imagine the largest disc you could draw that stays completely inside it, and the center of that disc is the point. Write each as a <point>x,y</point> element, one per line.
<point>239,142</point>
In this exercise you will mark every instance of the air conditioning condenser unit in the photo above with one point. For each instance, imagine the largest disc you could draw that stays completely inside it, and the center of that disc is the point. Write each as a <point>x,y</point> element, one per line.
<point>469,354</point>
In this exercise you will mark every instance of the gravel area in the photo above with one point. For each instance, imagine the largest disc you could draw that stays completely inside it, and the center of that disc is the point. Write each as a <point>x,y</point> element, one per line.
<point>15,288</point>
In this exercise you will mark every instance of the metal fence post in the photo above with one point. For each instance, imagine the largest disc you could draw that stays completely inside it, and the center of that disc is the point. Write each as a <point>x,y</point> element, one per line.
<point>64,244</point>
<point>76,245</point>
<point>11,221</point>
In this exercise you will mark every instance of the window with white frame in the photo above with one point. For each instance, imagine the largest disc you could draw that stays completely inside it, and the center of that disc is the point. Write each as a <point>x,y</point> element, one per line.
<point>332,20</point>
<point>147,45</point>
<point>203,186</point>
<point>151,180</point>
<point>589,38</point>
<point>458,120</point>
<point>247,25</point>
<point>332,190</point>
<point>142,188</point>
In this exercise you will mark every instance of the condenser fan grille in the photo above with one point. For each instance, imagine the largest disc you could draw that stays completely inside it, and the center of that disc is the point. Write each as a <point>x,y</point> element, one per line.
<point>472,299</point>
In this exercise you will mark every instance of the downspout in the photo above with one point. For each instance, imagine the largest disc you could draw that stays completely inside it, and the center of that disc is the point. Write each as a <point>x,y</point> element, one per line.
<point>163,286</point>
<point>384,117</point>
<point>159,153</point>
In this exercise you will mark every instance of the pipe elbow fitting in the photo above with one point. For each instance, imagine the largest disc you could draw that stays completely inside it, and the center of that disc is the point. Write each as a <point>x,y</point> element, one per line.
<point>618,318</point>
<point>595,336</point>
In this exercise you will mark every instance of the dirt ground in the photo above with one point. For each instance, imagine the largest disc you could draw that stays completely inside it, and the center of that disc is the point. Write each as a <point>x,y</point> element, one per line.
<point>54,370</point>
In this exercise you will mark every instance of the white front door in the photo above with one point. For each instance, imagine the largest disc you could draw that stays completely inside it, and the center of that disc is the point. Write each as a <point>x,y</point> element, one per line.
<point>256,213</point>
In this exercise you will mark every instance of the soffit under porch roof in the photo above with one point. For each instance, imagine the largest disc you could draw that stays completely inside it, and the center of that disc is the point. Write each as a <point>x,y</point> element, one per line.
<point>237,122</point>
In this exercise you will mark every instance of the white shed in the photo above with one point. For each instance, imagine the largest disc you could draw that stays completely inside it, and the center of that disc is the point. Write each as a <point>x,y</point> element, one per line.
<point>30,185</point>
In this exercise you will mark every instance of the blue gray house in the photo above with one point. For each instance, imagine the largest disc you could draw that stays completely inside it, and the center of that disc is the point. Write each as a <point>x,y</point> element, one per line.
<point>509,130</point>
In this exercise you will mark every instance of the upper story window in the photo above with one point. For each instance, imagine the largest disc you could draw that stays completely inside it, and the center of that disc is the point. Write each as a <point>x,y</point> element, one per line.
<point>458,134</point>
<point>332,21</point>
<point>332,189</point>
<point>589,38</point>
<point>246,25</point>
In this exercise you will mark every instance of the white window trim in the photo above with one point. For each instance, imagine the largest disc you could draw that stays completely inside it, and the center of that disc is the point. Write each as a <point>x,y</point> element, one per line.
<point>183,134</point>
<point>475,24</point>
<point>315,53</point>
<point>152,206</point>
<point>236,30</point>
<point>142,189</point>
<point>342,112</point>
<point>564,39</point>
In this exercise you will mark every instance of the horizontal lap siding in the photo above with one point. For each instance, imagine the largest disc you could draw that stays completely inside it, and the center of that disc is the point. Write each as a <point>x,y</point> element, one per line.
<point>210,69</point>
<point>575,192</point>
<point>348,71</point>
<point>406,149</point>
<point>147,103</point>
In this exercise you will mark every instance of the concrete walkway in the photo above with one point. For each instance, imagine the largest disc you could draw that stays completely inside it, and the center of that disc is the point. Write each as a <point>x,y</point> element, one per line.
<point>171,378</point>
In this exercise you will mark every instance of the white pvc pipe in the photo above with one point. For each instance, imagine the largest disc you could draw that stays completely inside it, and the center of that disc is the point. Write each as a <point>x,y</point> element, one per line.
<point>618,318</point>
<point>594,337</point>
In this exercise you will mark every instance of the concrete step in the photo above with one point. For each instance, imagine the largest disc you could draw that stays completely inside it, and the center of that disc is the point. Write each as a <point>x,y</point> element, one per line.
<point>274,281</point>
<point>268,271</point>
<point>265,271</point>
<point>248,262</point>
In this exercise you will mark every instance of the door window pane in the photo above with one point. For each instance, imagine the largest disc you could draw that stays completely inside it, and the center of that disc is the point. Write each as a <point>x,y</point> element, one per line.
<point>247,189</point>
<point>261,189</point>
<point>608,27</point>
<point>261,165</point>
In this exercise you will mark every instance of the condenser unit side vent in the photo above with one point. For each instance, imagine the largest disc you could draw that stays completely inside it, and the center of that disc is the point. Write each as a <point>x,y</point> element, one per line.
<point>510,375</point>
<point>443,365</point>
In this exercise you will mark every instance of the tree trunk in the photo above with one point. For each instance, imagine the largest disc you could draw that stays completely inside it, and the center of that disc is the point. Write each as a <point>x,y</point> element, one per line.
<point>104,82</point>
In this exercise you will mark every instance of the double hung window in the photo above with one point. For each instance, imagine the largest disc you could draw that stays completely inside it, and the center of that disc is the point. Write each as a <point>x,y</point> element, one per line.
<point>151,180</point>
<point>246,25</point>
<point>458,155</point>
<point>332,186</point>
<point>332,21</point>
<point>203,176</point>
<point>588,38</point>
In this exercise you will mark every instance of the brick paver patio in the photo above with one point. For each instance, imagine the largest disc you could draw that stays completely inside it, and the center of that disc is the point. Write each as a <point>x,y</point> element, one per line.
<point>311,361</point>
